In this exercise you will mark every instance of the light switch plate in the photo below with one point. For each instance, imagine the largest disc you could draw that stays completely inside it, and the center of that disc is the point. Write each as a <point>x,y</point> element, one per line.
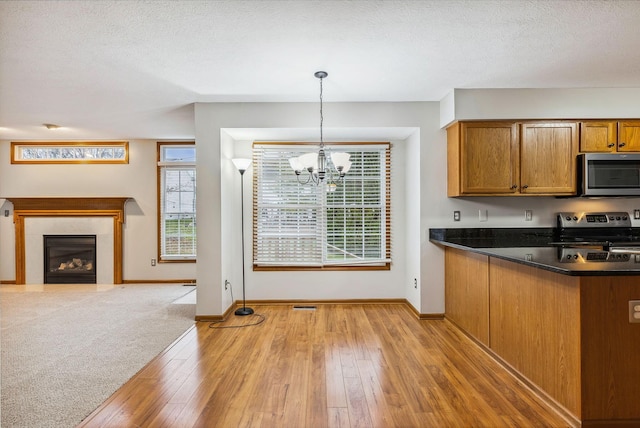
<point>483,215</point>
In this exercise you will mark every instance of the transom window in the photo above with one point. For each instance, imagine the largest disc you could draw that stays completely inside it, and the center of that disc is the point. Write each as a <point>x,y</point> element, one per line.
<point>177,202</point>
<point>70,152</point>
<point>305,226</point>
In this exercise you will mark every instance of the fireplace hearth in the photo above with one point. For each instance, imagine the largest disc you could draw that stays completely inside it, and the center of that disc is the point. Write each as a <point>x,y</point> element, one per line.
<point>69,259</point>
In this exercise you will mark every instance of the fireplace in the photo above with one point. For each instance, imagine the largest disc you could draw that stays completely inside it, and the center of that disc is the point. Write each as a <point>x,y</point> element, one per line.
<point>97,213</point>
<point>70,259</point>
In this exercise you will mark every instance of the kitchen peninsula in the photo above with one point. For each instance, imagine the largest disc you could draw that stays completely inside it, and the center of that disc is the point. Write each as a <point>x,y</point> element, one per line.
<point>559,317</point>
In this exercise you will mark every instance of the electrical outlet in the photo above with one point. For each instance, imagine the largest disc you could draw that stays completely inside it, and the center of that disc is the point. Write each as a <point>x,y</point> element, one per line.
<point>415,283</point>
<point>483,215</point>
<point>226,284</point>
<point>456,216</point>
<point>528,215</point>
<point>153,262</point>
<point>636,214</point>
<point>634,311</point>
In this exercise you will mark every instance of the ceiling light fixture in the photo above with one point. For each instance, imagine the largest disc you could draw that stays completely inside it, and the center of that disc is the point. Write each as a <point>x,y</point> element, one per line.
<point>50,126</point>
<point>318,165</point>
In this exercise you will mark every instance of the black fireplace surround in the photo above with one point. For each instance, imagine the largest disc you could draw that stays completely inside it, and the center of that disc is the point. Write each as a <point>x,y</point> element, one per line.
<point>69,259</point>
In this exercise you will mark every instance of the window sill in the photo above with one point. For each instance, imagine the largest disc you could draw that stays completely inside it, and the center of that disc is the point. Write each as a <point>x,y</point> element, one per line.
<point>386,266</point>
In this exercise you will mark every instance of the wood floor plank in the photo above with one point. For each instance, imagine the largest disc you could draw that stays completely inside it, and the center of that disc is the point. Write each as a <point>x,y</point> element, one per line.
<point>354,365</point>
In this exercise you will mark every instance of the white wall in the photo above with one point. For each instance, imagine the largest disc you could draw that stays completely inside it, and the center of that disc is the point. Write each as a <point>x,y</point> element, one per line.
<point>579,103</point>
<point>137,180</point>
<point>411,221</point>
<point>214,121</point>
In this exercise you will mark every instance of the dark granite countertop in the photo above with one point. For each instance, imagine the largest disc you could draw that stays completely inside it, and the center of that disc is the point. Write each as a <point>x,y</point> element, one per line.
<point>533,247</point>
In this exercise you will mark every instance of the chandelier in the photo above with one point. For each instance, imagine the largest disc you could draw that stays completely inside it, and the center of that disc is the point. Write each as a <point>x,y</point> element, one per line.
<point>318,167</point>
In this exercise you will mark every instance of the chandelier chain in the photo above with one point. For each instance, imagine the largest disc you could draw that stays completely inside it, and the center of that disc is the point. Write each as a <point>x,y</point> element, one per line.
<point>321,116</point>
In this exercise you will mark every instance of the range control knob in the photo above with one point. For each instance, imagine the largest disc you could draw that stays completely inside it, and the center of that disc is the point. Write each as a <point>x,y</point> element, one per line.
<point>568,218</point>
<point>575,218</point>
<point>624,217</point>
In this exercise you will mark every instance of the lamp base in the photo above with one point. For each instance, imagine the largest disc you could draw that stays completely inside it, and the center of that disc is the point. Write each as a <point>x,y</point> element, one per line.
<point>243,311</point>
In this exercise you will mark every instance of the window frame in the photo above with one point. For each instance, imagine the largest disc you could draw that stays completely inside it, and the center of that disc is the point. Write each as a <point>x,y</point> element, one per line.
<point>382,265</point>
<point>17,146</point>
<point>160,166</point>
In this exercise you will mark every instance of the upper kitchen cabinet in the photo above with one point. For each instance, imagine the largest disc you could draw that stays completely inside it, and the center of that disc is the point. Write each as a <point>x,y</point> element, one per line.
<point>482,158</point>
<point>512,159</point>
<point>548,158</point>
<point>609,136</point>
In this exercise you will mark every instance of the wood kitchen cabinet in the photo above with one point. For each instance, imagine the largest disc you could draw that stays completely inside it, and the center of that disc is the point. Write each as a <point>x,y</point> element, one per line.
<point>467,292</point>
<point>597,136</point>
<point>511,158</point>
<point>482,158</point>
<point>568,337</point>
<point>548,158</point>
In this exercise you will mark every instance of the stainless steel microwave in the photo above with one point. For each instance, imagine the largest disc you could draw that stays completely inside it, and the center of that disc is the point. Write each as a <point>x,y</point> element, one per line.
<point>609,174</point>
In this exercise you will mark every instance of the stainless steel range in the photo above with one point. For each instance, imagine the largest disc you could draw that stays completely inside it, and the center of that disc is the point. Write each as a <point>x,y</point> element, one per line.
<point>596,237</point>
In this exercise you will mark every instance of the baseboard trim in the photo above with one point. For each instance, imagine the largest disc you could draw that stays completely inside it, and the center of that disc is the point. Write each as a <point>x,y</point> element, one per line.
<point>323,302</point>
<point>158,281</point>
<point>8,281</point>
<point>310,302</point>
<point>216,318</point>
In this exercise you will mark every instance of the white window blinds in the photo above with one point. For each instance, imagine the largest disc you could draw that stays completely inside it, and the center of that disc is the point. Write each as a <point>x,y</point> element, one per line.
<point>306,226</point>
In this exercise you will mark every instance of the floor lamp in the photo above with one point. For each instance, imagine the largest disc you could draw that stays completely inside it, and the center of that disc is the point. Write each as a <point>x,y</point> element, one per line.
<point>242,165</point>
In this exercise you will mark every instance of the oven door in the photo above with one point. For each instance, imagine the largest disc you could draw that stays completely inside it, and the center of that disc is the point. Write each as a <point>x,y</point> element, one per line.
<point>609,174</point>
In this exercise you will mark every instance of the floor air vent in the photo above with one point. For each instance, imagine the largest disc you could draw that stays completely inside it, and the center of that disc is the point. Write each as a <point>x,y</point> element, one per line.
<point>304,308</point>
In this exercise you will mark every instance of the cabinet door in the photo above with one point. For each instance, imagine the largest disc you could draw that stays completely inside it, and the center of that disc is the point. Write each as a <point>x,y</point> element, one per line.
<point>629,136</point>
<point>466,282</point>
<point>598,136</point>
<point>489,157</point>
<point>549,153</point>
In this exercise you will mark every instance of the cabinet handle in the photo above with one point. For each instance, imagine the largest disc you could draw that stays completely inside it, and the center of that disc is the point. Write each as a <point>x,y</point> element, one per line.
<point>525,186</point>
<point>515,186</point>
<point>611,145</point>
<point>621,144</point>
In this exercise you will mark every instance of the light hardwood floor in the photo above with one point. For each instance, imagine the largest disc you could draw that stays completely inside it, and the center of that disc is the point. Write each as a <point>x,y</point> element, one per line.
<point>338,366</point>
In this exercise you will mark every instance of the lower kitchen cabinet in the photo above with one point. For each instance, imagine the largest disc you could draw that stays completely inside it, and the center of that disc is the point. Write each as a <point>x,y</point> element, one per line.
<point>569,337</point>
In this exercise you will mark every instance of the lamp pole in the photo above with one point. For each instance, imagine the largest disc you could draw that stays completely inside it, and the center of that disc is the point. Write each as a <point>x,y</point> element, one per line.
<point>242,165</point>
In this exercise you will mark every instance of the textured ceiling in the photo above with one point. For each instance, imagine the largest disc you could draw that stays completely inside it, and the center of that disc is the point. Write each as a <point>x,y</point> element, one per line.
<point>131,69</point>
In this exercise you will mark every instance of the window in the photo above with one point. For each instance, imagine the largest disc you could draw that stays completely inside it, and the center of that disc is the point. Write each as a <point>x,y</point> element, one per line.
<point>176,202</point>
<point>70,152</point>
<point>306,226</point>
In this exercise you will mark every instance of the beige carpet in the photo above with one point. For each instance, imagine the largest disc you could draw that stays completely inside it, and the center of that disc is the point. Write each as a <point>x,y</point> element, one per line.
<point>66,351</point>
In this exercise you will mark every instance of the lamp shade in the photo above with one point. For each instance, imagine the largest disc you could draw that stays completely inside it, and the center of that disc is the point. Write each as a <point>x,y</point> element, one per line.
<point>340,158</point>
<point>309,160</point>
<point>296,165</point>
<point>346,167</point>
<point>241,164</point>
